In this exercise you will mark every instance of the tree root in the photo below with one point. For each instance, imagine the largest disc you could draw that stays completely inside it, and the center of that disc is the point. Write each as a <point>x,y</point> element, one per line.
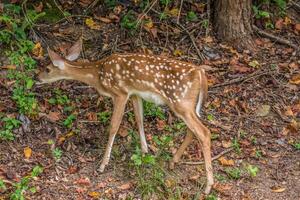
<point>275,38</point>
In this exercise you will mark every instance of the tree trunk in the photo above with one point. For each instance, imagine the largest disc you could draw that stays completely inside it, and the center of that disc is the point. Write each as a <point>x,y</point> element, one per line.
<point>232,22</point>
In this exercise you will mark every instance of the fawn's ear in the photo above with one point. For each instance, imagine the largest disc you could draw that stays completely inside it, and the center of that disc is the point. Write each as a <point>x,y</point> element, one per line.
<point>74,51</point>
<point>56,59</point>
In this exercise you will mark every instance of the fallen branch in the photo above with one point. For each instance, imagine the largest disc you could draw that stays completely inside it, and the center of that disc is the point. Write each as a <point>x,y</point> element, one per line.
<point>213,158</point>
<point>243,78</point>
<point>200,55</point>
<point>275,38</point>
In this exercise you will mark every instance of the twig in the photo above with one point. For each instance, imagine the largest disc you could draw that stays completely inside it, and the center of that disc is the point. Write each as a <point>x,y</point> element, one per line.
<point>178,16</point>
<point>295,4</point>
<point>213,158</point>
<point>200,55</point>
<point>275,38</point>
<point>243,78</point>
<point>145,12</point>
<point>208,17</point>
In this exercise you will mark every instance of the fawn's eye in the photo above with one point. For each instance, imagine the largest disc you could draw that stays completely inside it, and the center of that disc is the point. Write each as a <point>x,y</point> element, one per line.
<point>48,70</point>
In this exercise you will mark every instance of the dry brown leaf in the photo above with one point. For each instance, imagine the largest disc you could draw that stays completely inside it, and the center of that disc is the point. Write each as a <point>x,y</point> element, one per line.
<point>288,111</point>
<point>91,116</point>
<point>278,189</point>
<point>9,67</point>
<point>38,50</point>
<point>92,24</point>
<point>39,7</point>
<point>287,21</point>
<point>208,39</point>
<point>73,169</point>
<point>53,116</point>
<point>297,27</point>
<point>160,124</point>
<point>226,144</point>
<point>125,186</point>
<point>27,152</point>
<point>223,161</point>
<point>295,79</point>
<point>177,53</point>
<point>83,181</point>
<point>94,195</point>
<point>173,12</point>
<point>123,132</point>
<point>222,187</point>
<point>103,19</point>
<point>279,24</point>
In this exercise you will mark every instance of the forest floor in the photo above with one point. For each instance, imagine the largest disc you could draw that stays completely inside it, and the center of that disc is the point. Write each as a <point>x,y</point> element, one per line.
<point>253,112</point>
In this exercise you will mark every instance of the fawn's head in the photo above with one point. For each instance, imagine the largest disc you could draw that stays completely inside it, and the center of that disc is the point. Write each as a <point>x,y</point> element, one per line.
<point>59,69</point>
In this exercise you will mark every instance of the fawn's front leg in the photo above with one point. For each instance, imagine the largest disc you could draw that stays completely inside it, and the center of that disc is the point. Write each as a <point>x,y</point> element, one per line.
<point>119,107</point>
<point>138,114</point>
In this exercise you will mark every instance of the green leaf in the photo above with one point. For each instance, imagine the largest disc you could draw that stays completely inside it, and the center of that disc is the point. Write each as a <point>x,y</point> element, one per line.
<point>29,84</point>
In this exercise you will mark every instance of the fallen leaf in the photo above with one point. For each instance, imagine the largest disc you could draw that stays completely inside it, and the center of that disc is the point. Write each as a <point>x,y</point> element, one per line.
<point>297,27</point>
<point>9,67</point>
<point>254,63</point>
<point>173,12</point>
<point>83,181</point>
<point>125,186</point>
<point>39,7</point>
<point>53,116</point>
<point>263,110</point>
<point>279,24</point>
<point>101,185</point>
<point>94,195</point>
<point>208,39</point>
<point>103,19</point>
<point>27,152</point>
<point>123,132</point>
<point>287,21</point>
<point>226,144</point>
<point>177,52</point>
<point>92,24</point>
<point>160,124</point>
<point>222,187</point>
<point>223,161</point>
<point>278,189</point>
<point>288,111</point>
<point>91,116</point>
<point>295,79</point>
<point>73,169</point>
<point>238,68</point>
<point>38,50</point>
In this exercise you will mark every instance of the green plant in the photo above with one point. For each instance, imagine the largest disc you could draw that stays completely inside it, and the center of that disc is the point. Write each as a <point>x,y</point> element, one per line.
<point>20,188</point>
<point>14,36</point>
<point>234,173</point>
<point>211,197</point>
<point>129,21</point>
<point>210,117</point>
<point>220,177</point>
<point>165,2</point>
<point>2,185</point>
<point>297,145</point>
<point>69,121</point>
<point>59,98</point>
<point>205,23</point>
<point>258,153</point>
<point>151,110</point>
<point>57,153</point>
<point>236,145</point>
<point>191,16</point>
<point>252,170</point>
<point>104,117</point>
<point>110,3</point>
<point>9,124</point>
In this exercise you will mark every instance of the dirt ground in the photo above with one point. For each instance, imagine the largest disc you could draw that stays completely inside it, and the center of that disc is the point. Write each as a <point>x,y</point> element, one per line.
<point>257,106</point>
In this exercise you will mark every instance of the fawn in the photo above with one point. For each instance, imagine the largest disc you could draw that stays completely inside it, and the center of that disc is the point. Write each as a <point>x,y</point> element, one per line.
<point>180,85</point>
